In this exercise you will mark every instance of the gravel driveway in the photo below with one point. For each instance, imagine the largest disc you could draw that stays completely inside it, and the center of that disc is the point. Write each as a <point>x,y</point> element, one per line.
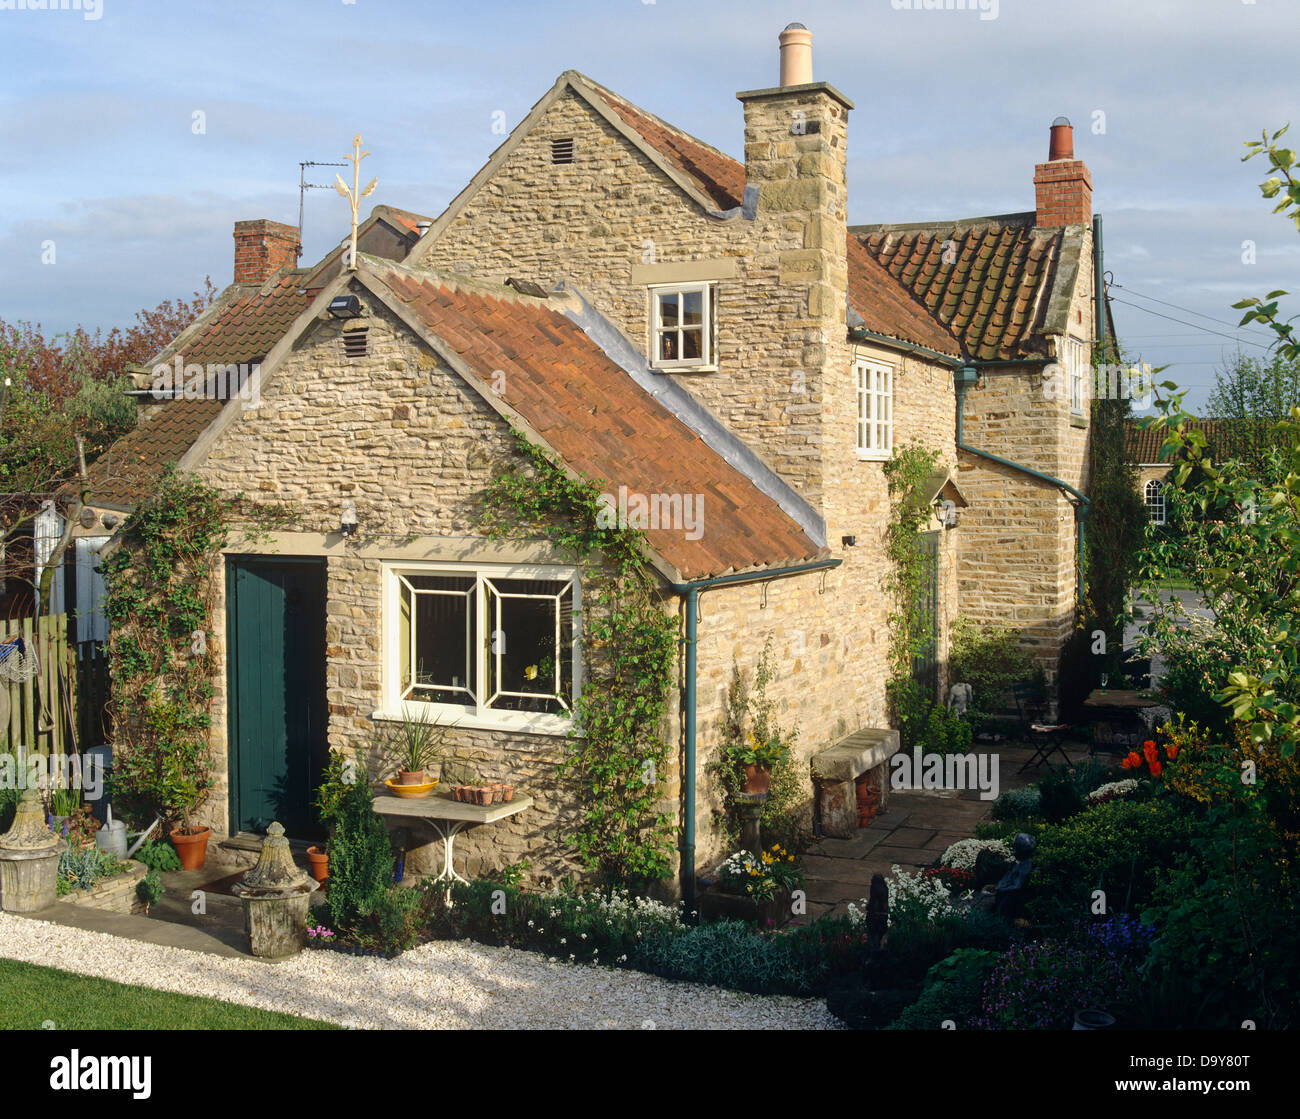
<point>442,985</point>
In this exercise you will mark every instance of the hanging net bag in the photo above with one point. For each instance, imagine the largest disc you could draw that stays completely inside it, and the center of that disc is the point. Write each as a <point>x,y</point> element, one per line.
<point>17,660</point>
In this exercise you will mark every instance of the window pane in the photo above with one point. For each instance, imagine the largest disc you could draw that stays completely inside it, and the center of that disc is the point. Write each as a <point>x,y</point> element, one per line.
<point>668,309</point>
<point>441,610</point>
<point>668,346</point>
<point>693,308</point>
<point>532,665</point>
<point>692,343</point>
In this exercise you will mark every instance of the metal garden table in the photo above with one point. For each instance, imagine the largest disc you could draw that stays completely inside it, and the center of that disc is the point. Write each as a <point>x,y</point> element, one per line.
<point>449,818</point>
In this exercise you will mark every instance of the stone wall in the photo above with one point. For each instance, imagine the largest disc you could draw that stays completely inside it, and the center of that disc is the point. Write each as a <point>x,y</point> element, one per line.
<point>116,894</point>
<point>402,436</point>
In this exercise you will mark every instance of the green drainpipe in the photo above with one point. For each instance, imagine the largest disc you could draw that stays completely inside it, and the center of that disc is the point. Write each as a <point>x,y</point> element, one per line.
<point>963,379</point>
<point>692,592</point>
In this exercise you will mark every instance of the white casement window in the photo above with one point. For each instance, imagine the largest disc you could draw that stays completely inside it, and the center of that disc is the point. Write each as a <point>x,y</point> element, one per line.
<point>875,383</point>
<point>1154,496</point>
<point>682,320</point>
<point>1077,367</point>
<point>487,646</point>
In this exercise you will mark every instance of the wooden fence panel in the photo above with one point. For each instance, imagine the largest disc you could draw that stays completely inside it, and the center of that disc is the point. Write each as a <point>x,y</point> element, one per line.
<point>61,709</point>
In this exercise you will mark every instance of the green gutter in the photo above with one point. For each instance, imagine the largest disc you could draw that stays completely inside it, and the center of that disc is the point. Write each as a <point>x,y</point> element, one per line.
<point>963,381</point>
<point>692,592</point>
<point>862,334</point>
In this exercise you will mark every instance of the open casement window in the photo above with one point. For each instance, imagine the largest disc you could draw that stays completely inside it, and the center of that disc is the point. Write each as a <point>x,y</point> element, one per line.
<point>682,319</point>
<point>875,385</point>
<point>493,646</point>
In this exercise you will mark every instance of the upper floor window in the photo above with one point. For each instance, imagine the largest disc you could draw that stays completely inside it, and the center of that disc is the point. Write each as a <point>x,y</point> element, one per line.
<point>1077,365</point>
<point>875,383</point>
<point>1154,496</point>
<point>681,325</point>
<point>487,646</point>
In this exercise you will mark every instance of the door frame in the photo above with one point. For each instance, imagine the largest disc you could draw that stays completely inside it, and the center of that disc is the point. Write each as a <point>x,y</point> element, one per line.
<point>233,561</point>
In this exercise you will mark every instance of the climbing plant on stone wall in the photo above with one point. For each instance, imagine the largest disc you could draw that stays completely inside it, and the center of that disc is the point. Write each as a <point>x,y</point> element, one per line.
<point>616,750</point>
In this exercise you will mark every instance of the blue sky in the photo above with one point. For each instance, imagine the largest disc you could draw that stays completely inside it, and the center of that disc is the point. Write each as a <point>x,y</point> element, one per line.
<point>98,151</point>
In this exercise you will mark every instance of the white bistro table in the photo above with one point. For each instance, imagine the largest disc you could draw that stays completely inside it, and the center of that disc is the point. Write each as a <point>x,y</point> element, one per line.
<point>449,818</point>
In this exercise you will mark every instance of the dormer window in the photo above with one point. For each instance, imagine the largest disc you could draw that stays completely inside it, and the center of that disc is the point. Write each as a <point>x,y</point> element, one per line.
<point>682,319</point>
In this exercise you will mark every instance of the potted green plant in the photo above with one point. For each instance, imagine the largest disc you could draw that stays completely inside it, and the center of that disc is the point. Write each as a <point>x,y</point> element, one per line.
<point>760,756</point>
<point>166,771</point>
<point>413,745</point>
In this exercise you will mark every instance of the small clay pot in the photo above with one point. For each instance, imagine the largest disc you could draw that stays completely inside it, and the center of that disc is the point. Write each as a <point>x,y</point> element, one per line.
<point>498,793</point>
<point>507,793</point>
<point>319,861</point>
<point>483,795</point>
<point>410,777</point>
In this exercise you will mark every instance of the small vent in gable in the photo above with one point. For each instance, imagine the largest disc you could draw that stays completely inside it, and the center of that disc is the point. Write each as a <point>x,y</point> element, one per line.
<point>356,343</point>
<point>562,150</point>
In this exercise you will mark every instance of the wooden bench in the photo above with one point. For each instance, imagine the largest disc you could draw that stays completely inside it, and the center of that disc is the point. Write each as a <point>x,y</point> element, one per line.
<point>835,772</point>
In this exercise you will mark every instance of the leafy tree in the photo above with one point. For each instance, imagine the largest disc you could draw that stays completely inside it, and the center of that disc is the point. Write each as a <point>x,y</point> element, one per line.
<point>1249,388</point>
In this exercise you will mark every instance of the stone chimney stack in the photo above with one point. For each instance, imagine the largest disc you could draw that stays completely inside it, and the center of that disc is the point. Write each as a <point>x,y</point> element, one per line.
<point>796,192</point>
<point>1062,185</point>
<point>263,248</point>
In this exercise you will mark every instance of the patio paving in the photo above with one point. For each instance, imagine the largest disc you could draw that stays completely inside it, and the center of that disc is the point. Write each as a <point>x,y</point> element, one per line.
<point>919,826</point>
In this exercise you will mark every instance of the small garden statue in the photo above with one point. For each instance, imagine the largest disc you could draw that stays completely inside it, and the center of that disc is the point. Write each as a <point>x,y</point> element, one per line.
<point>959,699</point>
<point>1010,891</point>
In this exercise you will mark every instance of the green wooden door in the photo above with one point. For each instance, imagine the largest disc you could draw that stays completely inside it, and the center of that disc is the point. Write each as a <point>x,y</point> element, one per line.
<point>925,620</point>
<point>275,624</point>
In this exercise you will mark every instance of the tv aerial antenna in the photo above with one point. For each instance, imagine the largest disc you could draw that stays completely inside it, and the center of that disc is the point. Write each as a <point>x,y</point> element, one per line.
<point>304,186</point>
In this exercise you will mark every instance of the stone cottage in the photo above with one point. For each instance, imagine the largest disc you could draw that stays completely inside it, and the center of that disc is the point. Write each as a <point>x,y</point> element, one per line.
<point>704,334</point>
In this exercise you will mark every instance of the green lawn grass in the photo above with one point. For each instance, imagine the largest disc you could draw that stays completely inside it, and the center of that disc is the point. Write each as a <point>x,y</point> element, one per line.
<point>32,996</point>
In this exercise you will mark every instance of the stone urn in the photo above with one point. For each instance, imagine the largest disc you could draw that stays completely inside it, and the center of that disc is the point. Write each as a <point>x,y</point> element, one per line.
<point>276,896</point>
<point>29,859</point>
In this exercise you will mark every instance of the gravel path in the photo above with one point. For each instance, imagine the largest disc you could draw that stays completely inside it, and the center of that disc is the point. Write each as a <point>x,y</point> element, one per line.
<point>442,985</point>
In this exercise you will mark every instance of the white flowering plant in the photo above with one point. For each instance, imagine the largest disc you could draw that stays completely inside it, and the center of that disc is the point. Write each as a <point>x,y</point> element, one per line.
<point>917,891</point>
<point>962,854</point>
<point>1112,789</point>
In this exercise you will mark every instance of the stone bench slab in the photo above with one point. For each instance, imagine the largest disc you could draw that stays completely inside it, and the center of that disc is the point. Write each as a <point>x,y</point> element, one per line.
<point>855,755</point>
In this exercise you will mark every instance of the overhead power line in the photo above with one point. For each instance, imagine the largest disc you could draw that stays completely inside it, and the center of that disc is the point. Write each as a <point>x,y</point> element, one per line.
<point>1184,322</point>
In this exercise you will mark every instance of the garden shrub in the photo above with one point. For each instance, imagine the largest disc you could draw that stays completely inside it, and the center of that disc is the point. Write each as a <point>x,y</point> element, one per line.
<point>731,954</point>
<point>1122,847</point>
<point>917,943</point>
<point>1018,804</point>
<point>953,991</point>
<point>397,920</point>
<point>9,799</point>
<point>158,854</point>
<point>361,859</point>
<point>82,868</point>
<point>990,659</point>
<point>1059,796</point>
<point>945,733</point>
<point>150,888</point>
<point>1041,985</point>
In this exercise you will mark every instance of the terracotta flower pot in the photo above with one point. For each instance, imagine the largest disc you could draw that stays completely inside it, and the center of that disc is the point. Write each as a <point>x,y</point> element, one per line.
<point>757,780</point>
<point>498,793</point>
<point>319,861</point>
<point>483,795</point>
<point>191,847</point>
<point>410,777</point>
<point>507,793</point>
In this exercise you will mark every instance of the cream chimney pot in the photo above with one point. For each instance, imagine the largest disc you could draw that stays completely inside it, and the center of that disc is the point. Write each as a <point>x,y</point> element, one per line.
<point>796,55</point>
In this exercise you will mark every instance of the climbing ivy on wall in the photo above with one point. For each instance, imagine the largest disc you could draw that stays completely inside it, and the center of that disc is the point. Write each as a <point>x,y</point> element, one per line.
<point>616,750</point>
<point>160,590</point>
<point>906,472</point>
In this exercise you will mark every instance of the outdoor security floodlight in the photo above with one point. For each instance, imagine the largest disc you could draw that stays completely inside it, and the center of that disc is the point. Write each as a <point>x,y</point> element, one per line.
<point>849,541</point>
<point>345,307</point>
<point>348,521</point>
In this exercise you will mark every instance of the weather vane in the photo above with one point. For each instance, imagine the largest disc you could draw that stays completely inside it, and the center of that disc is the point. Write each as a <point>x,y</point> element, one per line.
<point>351,195</point>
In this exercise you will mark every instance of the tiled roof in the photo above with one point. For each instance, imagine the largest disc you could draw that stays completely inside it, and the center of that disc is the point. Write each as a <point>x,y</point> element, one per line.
<point>989,281</point>
<point>1222,438</point>
<point>717,175</point>
<point>241,327</point>
<point>602,424</point>
<point>886,307</point>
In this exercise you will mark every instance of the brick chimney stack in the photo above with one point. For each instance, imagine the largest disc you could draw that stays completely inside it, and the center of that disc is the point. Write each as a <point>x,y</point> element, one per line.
<point>263,248</point>
<point>1062,185</point>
